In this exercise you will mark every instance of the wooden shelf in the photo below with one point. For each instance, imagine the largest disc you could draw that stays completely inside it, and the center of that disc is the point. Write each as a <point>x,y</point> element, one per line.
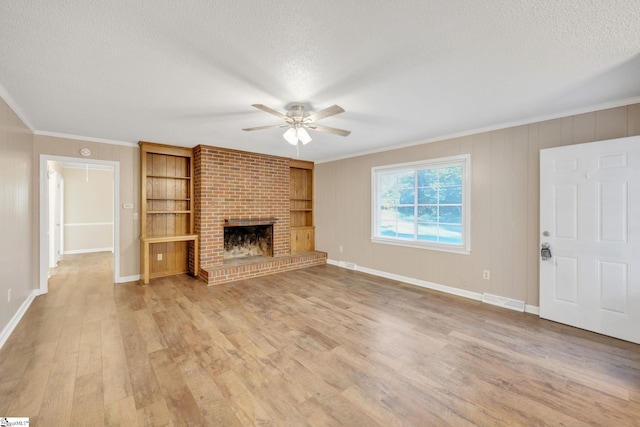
<point>161,239</point>
<point>167,242</point>
<point>168,177</point>
<point>167,212</point>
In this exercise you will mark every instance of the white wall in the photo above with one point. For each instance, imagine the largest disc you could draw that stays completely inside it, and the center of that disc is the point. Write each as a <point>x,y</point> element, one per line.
<point>88,210</point>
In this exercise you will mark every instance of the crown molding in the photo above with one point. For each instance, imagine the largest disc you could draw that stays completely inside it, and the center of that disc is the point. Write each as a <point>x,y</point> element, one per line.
<point>14,107</point>
<point>528,121</point>
<point>4,94</point>
<point>85,138</point>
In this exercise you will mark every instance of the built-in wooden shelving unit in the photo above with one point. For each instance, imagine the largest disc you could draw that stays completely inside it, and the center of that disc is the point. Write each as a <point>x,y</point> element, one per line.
<point>166,219</point>
<point>301,206</point>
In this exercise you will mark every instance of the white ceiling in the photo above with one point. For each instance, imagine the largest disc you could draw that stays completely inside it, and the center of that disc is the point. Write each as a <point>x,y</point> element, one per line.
<point>186,73</point>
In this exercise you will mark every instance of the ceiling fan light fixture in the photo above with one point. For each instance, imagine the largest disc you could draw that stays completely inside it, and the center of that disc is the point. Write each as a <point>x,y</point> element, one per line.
<point>291,136</point>
<point>303,136</point>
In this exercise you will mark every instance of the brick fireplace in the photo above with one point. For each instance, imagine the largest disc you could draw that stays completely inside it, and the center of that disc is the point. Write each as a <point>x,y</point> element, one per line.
<point>232,187</point>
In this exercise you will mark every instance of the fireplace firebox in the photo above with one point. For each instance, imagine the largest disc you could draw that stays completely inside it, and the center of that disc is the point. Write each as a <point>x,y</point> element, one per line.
<point>243,241</point>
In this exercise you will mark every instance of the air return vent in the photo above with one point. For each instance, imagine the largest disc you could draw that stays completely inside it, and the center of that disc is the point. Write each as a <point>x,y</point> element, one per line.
<point>349,265</point>
<point>509,303</point>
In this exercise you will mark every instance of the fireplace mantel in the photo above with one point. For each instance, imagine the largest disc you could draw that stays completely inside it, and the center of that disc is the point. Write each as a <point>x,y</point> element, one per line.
<point>238,222</point>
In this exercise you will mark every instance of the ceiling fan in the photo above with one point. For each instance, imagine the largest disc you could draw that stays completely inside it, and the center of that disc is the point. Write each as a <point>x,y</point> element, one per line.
<point>297,120</point>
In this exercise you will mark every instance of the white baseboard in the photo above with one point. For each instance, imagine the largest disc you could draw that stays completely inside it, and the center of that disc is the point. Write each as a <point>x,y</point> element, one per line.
<point>126,279</point>
<point>422,283</point>
<point>417,282</point>
<point>8,330</point>
<point>88,251</point>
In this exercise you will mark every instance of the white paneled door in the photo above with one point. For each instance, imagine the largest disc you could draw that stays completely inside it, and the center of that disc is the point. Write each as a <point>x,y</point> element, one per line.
<point>590,236</point>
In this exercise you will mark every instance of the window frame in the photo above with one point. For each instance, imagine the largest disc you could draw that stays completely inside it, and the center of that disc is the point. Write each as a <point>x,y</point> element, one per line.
<point>463,160</point>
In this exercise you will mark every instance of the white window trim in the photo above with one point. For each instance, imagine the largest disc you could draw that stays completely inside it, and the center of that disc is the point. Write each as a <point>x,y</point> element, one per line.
<point>465,161</point>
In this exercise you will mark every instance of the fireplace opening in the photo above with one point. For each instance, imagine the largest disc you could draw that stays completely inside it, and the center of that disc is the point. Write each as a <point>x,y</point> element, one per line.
<point>248,241</point>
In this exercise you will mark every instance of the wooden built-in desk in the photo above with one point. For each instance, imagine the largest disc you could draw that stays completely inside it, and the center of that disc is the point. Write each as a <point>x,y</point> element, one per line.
<point>145,243</point>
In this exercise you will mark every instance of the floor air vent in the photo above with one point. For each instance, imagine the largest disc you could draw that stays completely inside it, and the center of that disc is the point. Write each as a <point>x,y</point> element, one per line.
<point>509,303</point>
<point>349,265</point>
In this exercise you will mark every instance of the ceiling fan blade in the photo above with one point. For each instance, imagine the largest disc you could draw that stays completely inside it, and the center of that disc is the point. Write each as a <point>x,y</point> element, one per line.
<point>267,127</point>
<point>271,111</point>
<point>340,132</point>
<point>327,112</point>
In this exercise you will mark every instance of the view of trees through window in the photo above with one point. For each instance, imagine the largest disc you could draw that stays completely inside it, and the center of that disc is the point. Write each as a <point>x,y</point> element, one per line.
<point>421,204</point>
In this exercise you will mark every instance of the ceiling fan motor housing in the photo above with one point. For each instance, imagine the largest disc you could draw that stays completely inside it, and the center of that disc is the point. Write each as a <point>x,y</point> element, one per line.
<point>297,113</point>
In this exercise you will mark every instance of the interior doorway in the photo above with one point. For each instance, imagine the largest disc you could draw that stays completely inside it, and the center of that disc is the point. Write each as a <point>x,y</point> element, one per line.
<point>51,236</point>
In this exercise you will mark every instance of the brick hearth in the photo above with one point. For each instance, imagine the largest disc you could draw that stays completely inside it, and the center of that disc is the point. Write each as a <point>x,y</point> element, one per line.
<point>238,185</point>
<point>224,273</point>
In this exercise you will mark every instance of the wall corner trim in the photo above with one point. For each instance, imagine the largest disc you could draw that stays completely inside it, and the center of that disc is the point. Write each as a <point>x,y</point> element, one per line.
<point>8,330</point>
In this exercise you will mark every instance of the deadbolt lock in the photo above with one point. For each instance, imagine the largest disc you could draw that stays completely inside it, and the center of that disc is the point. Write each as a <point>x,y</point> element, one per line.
<point>545,251</point>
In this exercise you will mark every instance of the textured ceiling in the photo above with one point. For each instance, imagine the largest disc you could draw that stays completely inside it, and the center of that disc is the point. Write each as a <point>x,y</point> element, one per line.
<point>186,73</point>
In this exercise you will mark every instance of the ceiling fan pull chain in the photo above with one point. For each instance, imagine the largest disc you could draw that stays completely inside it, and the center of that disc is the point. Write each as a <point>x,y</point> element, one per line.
<point>297,151</point>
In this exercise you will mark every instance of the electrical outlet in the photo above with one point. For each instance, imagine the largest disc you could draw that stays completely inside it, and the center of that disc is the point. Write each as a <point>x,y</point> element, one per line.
<point>159,257</point>
<point>340,248</point>
<point>9,295</point>
<point>486,274</point>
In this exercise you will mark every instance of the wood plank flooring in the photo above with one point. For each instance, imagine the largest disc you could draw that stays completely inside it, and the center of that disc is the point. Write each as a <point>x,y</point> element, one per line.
<point>322,346</point>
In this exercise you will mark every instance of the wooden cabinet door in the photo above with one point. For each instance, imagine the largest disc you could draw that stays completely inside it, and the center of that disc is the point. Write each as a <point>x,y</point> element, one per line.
<point>302,240</point>
<point>309,238</point>
<point>296,241</point>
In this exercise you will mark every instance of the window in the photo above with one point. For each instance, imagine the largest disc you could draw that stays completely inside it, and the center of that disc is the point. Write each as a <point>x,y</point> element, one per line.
<point>423,204</point>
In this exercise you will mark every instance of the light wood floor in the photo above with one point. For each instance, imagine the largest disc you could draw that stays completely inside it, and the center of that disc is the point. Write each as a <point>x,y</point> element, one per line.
<point>321,346</point>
